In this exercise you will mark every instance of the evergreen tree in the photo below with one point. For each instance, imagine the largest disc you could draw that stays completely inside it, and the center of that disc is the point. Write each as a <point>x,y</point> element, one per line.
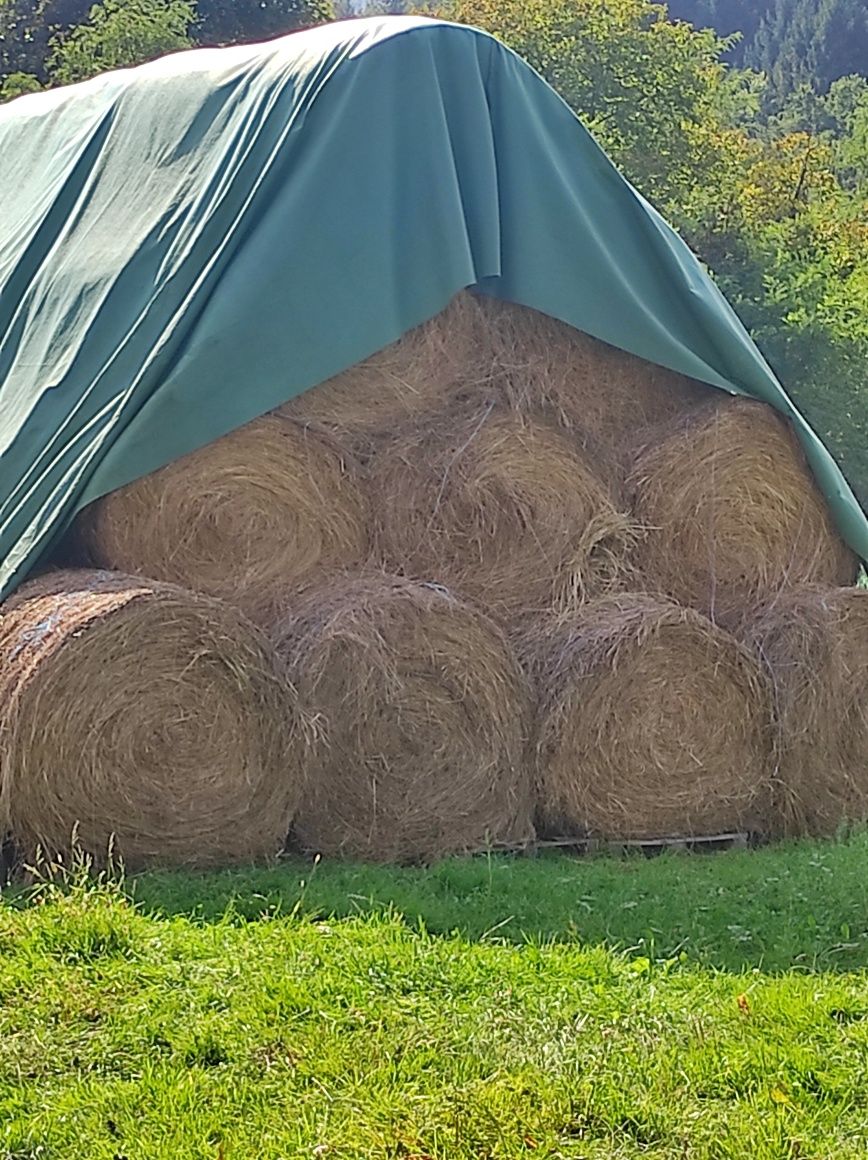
<point>795,42</point>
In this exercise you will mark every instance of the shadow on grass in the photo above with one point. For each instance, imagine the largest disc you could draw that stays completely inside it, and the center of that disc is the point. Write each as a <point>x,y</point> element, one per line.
<point>800,906</point>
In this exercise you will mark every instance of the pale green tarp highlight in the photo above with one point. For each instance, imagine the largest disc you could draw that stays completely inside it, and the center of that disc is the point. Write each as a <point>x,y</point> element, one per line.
<point>186,245</point>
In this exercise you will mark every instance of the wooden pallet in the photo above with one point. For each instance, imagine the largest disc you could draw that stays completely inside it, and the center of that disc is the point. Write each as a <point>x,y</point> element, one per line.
<point>649,847</point>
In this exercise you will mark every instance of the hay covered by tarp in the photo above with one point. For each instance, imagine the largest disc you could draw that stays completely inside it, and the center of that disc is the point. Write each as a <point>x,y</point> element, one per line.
<point>480,350</point>
<point>544,366</point>
<point>731,512</point>
<point>509,511</point>
<point>172,314</point>
<point>432,366</point>
<point>136,714</point>
<point>424,715</point>
<point>814,642</point>
<point>262,511</point>
<point>653,722</point>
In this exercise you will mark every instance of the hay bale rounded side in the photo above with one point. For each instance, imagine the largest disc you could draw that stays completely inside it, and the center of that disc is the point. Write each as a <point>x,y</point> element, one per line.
<point>428,368</point>
<point>268,508</point>
<point>731,511</point>
<point>653,723</point>
<point>814,642</point>
<point>510,512</point>
<point>137,713</point>
<point>482,349</point>
<point>424,714</point>
<point>543,365</point>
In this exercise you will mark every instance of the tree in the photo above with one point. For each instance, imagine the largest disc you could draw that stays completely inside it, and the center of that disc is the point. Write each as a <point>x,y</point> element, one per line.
<point>17,84</point>
<point>33,32</point>
<point>795,42</point>
<point>810,42</point>
<point>28,26</point>
<point>119,33</point>
<point>647,88</point>
<point>725,17</point>
<point>238,21</point>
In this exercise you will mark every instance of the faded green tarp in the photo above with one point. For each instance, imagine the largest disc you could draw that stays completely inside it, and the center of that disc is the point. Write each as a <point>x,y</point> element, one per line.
<point>186,245</point>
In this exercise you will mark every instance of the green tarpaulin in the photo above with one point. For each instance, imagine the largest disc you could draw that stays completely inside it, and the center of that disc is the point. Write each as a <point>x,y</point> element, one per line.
<point>185,245</point>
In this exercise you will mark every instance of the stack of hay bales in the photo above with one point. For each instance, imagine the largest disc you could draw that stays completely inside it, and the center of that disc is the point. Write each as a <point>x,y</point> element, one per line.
<point>501,574</point>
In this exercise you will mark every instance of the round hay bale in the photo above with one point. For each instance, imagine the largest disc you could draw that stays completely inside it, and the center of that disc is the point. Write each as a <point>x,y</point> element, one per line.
<point>543,365</point>
<point>424,713</point>
<point>814,642</point>
<point>731,511</point>
<point>509,511</point>
<point>135,712</point>
<point>480,349</point>
<point>653,723</point>
<point>269,508</point>
<point>426,369</point>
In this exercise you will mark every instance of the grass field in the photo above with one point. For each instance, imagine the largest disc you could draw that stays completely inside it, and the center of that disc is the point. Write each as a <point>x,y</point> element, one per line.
<point>683,1006</point>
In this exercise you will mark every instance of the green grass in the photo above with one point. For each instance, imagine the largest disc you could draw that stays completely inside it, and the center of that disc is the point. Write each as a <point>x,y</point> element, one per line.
<point>690,1007</point>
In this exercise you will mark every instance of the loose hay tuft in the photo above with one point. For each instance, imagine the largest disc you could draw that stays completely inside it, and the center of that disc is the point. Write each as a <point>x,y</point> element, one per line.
<point>652,723</point>
<point>136,712</point>
<point>424,713</point>
<point>732,512</point>
<point>508,511</point>
<point>814,642</point>
<point>269,508</point>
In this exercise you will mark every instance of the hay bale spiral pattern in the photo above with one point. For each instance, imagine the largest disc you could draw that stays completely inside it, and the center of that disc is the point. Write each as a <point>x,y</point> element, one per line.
<point>653,722</point>
<point>731,511</point>
<point>267,509</point>
<point>424,716</point>
<point>544,366</point>
<point>510,512</point>
<point>814,643</point>
<point>136,712</point>
<point>428,368</point>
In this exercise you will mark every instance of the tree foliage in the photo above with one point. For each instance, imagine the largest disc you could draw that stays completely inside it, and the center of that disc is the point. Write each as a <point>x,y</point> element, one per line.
<point>237,21</point>
<point>118,33</point>
<point>794,42</point>
<point>27,28</point>
<point>55,41</point>
<point>647,88</point>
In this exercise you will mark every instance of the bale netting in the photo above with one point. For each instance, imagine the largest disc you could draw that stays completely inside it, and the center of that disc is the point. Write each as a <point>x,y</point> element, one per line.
<point>509,511</point>
<point>269,508</point>
<point>653,723</point>
<point>814,642</point>
<point>428,368</point>
<point>424,715</point>
<point>731,511</point>
<point>544,366</point>
<point>140,717</point>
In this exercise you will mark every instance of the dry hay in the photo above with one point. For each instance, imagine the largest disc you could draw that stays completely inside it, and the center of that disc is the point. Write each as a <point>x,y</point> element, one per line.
<point>511,512</point>
<point>429,367</point>
<point>269,508</point>
<point>732,512</point>
<point>424,713</point>
<point>481,349</point>
<point>134,709</point>
<point>814,641</point>
<point>653,723</point>
<point>544,365</point>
